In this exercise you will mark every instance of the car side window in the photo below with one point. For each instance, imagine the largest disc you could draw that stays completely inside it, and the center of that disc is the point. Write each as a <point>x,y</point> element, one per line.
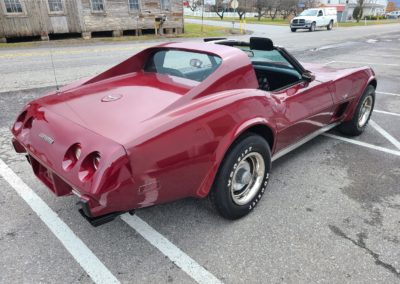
<point>191,65</point>
<point>320,13</point>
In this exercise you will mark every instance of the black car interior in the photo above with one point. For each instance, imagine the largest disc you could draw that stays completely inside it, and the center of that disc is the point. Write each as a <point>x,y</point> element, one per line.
<point>271,78</point>
<point>271,75</point>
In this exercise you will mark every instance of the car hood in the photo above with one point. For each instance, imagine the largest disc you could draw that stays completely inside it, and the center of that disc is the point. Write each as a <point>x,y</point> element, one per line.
<point>304,17</point>
<point>115,108</point>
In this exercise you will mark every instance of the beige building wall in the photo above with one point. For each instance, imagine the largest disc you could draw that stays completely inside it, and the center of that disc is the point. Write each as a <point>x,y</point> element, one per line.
<point>78,16</point>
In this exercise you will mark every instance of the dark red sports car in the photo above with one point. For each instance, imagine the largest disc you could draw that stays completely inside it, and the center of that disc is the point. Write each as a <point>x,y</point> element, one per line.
<point>186,120</point>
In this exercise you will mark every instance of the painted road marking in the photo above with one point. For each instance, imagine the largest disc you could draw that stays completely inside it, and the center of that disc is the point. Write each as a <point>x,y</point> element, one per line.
<point>73,51</point>
<point>386,112</point>
<point>176,255</point>
<point>336,45</point>
<point>363,144</point>
<point>382,55</point>
<point>385,93</point>
<point>330,62</point>
<point>82,254</point>
<point>362,63</point>
<point>385,134</point>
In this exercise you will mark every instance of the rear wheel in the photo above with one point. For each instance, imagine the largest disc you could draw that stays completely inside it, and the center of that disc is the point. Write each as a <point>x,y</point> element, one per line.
<point>242,177</point>
<point>293,30</point>
<point>312,28</point>
<point>330,26</point>
<point>362,114</point>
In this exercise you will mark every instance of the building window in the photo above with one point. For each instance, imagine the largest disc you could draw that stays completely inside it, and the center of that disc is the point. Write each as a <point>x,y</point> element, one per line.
<point>133,5</point>
<point>13,6</point>
<point>56,6</point>
<point>165,5</point>
<point>97,5</point>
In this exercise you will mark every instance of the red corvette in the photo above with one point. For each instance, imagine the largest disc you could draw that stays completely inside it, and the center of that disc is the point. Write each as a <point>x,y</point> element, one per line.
<point>186,120</point>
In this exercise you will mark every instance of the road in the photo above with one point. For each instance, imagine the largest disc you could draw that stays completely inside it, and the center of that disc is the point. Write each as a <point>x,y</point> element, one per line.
<point>330,215</point>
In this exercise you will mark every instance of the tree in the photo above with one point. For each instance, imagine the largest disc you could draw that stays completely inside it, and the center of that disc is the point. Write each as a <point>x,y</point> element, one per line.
<point>310,4</point>
<point>391,6</point>
<point>273,8</point>
<point>220,7</point>
<point>288,7</point>
<point>193,4</point>
<point>261,8</point>
<point>244,7</point>
<point>358,10</point>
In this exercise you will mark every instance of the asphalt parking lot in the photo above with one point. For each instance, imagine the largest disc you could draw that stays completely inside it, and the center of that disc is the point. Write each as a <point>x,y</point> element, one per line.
<point>331,213</point>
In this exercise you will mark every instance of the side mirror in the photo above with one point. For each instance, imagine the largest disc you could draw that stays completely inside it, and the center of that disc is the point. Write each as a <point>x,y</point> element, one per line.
<point>308,76</point>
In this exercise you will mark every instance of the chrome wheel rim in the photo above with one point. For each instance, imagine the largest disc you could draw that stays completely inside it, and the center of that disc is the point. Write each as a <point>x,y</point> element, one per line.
<point>247,178</point>
<point>365,112</point>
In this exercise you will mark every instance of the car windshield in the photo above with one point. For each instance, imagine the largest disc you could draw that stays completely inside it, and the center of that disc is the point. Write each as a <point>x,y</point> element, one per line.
<point>309,13</point>
<point>268,57</point>
<point>190,65</point>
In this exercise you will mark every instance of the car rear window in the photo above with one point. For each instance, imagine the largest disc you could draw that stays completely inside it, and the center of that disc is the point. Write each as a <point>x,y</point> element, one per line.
<point>185,64</point>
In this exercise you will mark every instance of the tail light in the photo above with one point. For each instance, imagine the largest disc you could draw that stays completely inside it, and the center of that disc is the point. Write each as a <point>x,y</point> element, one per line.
<point>28,123</point>
<point>96,161</point>
<point>20,121</point>
<point>71,156</point>
<point>89,166</point>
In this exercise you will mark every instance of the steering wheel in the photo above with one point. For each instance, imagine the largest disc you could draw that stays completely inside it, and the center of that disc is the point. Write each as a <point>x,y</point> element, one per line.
<point>263,83</point>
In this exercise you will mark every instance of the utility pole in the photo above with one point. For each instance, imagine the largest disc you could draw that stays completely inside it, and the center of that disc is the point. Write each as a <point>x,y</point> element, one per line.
<point>202,15</point>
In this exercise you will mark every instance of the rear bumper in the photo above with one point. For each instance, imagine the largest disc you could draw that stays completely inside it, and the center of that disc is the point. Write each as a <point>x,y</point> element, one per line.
<point>96,213</point>
<point>84,209</point>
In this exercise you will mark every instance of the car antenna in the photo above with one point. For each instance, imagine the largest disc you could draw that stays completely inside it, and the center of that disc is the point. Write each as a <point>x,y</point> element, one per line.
<point>54,70</point>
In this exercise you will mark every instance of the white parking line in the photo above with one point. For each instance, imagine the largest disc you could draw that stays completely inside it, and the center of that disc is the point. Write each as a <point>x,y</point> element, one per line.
<point>362,63</point>
<point>330,62</point>
<point>386,112</point>
<point>391,94</point>
<point>176,255</point>
<point>82,254</point>
<point>385,134</point>
<point>363,144</point>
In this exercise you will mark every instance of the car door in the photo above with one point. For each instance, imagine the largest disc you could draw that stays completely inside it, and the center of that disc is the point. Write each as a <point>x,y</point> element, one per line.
<point>305,108</point>
<point>320,18</point>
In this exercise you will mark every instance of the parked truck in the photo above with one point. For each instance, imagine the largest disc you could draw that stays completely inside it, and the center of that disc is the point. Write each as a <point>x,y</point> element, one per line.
<point>311,19</point>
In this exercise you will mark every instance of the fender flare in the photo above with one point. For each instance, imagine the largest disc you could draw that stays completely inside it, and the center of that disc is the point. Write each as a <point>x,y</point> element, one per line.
<point>352,107</point>
<point>223,149</point>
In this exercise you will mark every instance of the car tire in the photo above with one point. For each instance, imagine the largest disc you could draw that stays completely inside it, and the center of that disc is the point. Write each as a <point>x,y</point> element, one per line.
<point>312,28</point>
<point>242,177</point>
<point>293,30</point>
<point>330,26</point>
<point>362,114</point>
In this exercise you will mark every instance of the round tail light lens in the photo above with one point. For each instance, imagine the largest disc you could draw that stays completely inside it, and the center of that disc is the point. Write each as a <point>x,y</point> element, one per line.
<point>77,152</point>
<point>89,166</point>
<point>28,123</point>
<point>20,121</point>
<point>71,156</point>
<point>96,161</point>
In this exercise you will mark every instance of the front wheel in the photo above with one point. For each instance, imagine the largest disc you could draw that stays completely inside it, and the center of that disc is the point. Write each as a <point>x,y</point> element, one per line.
<point>242,178</point>
<point>312,28</point>
<point>330,26</point>
<point>362,114</point>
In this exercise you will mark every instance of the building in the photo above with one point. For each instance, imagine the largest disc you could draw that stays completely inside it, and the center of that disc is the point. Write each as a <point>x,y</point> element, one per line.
<point>346,7</point>
<point>44,18</point>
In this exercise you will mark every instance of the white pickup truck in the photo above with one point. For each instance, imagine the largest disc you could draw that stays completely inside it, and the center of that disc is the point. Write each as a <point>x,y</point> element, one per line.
<point>311,19</point>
